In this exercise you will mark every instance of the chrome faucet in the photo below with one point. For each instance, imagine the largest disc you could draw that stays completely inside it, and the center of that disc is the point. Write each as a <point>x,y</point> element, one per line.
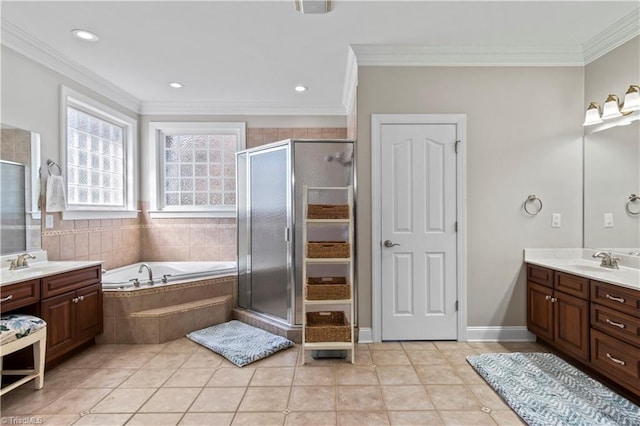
<point>21,261</point>
<point>607,260</point>
<point>144,265</point>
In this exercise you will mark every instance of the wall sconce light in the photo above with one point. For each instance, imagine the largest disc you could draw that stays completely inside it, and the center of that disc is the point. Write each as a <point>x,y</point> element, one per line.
<point>613,109</point>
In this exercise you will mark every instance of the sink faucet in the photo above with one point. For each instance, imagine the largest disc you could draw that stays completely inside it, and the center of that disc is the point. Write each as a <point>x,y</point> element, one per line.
<point>144,265</point>
<point>607,260</point>
<point>21,261</point>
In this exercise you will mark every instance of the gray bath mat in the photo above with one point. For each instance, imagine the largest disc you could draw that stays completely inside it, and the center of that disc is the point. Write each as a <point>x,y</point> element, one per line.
<point>238,342</point>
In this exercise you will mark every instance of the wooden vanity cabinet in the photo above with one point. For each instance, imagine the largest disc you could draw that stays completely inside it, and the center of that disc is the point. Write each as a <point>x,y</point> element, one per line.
<point>558,310</point>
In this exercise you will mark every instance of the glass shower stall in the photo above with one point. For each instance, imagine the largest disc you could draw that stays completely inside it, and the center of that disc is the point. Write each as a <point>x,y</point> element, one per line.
<point>270,179</point>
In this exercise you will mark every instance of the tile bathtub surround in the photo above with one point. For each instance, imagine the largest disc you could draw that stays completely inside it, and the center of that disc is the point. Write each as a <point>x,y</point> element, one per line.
<point>180,382</point>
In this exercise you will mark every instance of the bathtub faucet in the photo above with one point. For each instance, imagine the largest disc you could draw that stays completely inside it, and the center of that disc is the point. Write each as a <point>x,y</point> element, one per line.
<point>144,265</point>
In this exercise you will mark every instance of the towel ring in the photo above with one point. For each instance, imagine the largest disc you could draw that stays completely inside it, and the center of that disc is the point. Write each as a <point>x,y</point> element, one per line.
<point>532,199</point>
<point>51,164</point>
<point>632,199</point>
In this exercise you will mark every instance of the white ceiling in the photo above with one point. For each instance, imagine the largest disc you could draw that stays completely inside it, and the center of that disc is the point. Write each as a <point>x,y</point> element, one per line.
<point>241,56</point>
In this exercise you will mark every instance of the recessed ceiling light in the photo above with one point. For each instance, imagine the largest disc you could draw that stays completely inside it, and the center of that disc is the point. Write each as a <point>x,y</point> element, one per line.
<point>175,85</point>
<point>85,35</point>
<point>301,88</point>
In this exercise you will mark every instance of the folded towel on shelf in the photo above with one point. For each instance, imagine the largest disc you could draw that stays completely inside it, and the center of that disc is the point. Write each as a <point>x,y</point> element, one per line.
<point>56,201</point>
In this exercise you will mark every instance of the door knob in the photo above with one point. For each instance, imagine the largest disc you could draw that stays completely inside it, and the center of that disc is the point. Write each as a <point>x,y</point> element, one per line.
<point>389,243</point>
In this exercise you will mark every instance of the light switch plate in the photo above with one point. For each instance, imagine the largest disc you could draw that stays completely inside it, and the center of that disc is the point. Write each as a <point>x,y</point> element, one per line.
<point>556,220</point>
<point>49,221</point>
<point>608,220</point>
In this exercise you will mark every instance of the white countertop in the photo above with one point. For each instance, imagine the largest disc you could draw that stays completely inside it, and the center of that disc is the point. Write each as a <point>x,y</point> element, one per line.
<point>38,268</point>
<point>580,262</point>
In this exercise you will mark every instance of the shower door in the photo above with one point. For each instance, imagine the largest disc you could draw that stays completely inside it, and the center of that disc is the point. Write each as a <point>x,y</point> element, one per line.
<point>269,221</point>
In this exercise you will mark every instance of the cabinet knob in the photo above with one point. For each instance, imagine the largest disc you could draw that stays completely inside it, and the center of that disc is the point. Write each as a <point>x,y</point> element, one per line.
<point>553,300</point>
<point>74,300</point>
<point>547,297</point>
<point>81,298</point>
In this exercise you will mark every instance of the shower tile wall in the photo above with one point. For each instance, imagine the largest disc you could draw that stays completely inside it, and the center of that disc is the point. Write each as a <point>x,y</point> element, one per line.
<point>120,242</point>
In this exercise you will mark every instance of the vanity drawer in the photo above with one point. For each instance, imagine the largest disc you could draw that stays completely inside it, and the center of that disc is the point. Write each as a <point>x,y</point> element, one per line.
<point>540,275</point>
<point>622,326</point>
<point>619,298</point>
<point>19,295</point>
<point>615,358</point>
<point>572,284</point>
<point>68,281</point>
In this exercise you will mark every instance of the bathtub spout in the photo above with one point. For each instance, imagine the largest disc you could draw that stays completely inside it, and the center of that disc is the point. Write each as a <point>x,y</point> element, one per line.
<point>144,265</point>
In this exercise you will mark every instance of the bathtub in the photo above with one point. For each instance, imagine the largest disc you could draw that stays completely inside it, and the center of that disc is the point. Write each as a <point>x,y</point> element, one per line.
<point>164,273</point>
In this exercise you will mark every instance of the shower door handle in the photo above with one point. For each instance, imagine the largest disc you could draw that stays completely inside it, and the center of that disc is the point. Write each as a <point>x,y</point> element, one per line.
<point>286,234</point>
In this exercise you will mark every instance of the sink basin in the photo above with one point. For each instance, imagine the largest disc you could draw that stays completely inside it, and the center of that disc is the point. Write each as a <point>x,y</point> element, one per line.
<point>592,268</point>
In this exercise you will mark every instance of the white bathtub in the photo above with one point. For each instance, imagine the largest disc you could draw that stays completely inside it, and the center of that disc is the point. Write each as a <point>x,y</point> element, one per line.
<point>164,273</point>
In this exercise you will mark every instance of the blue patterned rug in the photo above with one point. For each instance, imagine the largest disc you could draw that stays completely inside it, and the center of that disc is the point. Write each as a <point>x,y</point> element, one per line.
<point>545,390</point>
<point>238,342</point>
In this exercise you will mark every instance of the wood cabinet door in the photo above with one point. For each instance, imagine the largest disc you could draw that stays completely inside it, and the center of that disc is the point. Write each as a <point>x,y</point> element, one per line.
<point>540,311</point>
<point>89,312</point>
<point>571,328</point>
<point>59,313</point>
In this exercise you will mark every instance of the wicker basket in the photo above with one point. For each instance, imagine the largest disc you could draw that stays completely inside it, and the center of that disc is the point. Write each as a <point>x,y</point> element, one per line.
<point>327,288</point>
<point>328,249</point>
<point>328,211</point>
<point>327,327</point>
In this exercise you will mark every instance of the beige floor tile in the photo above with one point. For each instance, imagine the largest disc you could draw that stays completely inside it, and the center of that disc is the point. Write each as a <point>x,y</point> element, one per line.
<point>314,376</point>
<point>210,419</point>
<point>262,419</point>
<point>44,419</point>
<point>129,360</point>
<point>155,419</point>
<point>203,358</point>
<point>489,347</point>
<point>146,347</point>
<point>212,400</point>
<point>418,346</point>
<point>385,346</point>
<point>124,401</point>
<point>468,374</point>
<point>522,347</point>
<point>103,420</point>
<point>452,397</point>
<point>362,418</point>
<point>488,398</point>
<point>415,418</point>
<point>397,375</point>
<point>389,358</point>
<point>182,345</point>
<point>406,398</point>
<point>106,378</point>
<point>167,360</point>
<point>311,418</point>
<point>351,398</point>
<point>452,345</point>
<point>284,358</point>
<point>272,376</point>
<point>312,398</point>
<point>357,375</point>
<point>171,400</point>
<point>466,418</point>
<point>507,418</point>
<point>62,378</point>
<point>25,400</point>
<point>110,348</point>
<point>437,375</point>
<point>431,357</point>
<point>363,358</point>
<point>88,359</point>
<point>265,399</point>
<point>75,401</point>
<point>231,377</point>
<point>188,378</point>
<point>458,357</point>
<point>148,378</point>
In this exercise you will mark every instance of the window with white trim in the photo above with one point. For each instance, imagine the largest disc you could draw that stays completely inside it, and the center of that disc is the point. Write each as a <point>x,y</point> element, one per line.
<point>98,158</point>
<point>195,168</point>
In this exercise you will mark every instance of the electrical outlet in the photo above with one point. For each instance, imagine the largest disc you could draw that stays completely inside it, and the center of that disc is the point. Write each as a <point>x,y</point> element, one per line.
<point>556,220</point>
<point>608,220</point>
<point>49,221</point>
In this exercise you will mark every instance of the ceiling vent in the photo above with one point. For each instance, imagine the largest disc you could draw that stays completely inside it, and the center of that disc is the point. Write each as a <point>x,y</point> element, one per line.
<point>313,6</point>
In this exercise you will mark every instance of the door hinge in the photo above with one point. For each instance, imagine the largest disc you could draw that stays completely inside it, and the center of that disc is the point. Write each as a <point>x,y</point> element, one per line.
<point>455,227</point>
<point>456,146</point>
<point>456,306</point>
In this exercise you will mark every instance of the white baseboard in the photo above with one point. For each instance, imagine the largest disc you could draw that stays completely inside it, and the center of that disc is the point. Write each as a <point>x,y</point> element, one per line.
<point>499,334</point>
<point>365,335</point>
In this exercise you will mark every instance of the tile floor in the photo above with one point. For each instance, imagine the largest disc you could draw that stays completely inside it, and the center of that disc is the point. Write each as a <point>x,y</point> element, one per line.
<point>180,382</point>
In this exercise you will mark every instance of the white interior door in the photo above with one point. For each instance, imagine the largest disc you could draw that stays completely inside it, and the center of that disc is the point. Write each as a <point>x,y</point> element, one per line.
<point>418,232</point>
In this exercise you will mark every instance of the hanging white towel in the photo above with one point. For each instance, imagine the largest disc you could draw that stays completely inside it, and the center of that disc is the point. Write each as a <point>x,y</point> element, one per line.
<point>56,201</point>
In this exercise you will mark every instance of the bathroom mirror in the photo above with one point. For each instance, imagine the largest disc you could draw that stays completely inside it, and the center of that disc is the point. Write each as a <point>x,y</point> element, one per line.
<point>20,218</point>
<point>611,175</point>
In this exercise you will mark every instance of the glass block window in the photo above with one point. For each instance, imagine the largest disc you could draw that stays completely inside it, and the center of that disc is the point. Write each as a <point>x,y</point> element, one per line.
<point>199,171</point>
<point>96,171</point>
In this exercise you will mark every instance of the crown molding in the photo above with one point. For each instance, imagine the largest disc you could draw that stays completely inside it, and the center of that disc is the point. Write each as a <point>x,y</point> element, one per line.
<point>613,36</point>
<point>350,82</point>
<point>235,108</point>
<point>36,50</point>
<point>395,55</point>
